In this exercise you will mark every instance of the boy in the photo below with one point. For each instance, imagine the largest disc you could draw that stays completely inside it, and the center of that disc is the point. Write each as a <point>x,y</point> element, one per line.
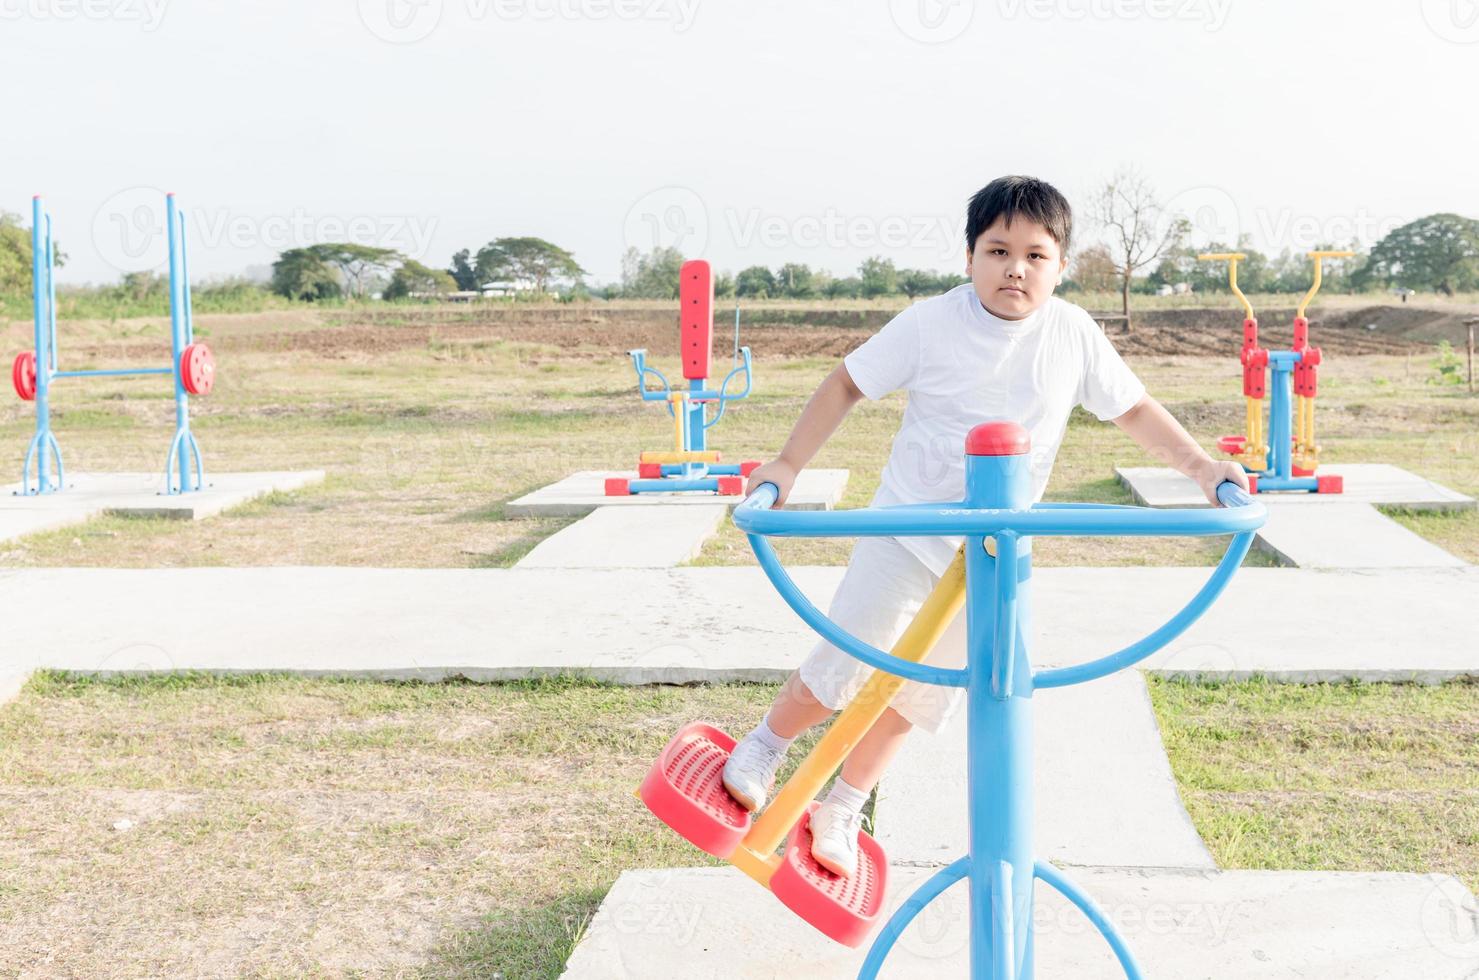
<point>999,346</point>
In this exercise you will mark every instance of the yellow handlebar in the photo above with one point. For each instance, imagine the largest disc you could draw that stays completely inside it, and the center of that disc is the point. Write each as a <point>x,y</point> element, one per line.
<point>1318,256</point>
<point>1232,259</point>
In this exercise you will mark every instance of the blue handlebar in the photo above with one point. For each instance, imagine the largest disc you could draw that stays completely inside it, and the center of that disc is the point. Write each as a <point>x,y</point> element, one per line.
<point>1240,515</point>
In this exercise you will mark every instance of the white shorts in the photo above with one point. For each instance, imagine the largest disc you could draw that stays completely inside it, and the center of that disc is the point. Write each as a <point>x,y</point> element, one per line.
<point>883,588</point>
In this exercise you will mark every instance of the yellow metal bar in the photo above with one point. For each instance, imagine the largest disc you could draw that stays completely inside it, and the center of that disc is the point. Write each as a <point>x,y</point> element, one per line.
<point>654,456</point>
<point>1315,286</point>
<point>756,854</point>
<point>1232,259</point>
<point>679,402</point>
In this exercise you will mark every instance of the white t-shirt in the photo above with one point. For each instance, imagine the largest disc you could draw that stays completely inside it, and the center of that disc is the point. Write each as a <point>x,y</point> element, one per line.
<point>962,366</point>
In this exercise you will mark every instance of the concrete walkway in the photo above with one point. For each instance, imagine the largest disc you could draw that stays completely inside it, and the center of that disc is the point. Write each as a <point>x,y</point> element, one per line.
<point>716,924</point>
<point>1104,790</point>
<point>1345,535</point>
<point>1365,483</point>
<point>1311,530</point>
<point>629,537</point>
<point>681,625</point>
<point>89,495</point>
<point>580,493</point>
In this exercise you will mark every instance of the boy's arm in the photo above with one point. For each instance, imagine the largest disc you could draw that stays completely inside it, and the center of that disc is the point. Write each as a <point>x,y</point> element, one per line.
<point>1158,433</point>
<point>829,405</point>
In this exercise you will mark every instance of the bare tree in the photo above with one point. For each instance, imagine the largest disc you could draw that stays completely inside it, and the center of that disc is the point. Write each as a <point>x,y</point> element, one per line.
<point>1136,227</point>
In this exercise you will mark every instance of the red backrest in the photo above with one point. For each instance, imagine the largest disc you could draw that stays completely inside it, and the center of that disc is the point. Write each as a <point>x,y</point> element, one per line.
<point>695,317</point>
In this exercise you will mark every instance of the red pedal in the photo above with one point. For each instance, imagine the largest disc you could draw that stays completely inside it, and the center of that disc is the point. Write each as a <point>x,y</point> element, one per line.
<point>1300,471</point>
<point>1329,484</point>
<point>1252,482</point>
<point>685,790</point>
<point>649,471</point>
<point>1232,445</point>
<point>731,486</point>
<point>843,909</point>
<point>749,466</point>
<point>618,487</point>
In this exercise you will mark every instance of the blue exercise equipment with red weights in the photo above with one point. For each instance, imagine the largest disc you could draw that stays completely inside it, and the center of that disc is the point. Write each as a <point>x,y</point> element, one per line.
<point>690,466</point>
<point>991,578</point>
<point>192,366</point>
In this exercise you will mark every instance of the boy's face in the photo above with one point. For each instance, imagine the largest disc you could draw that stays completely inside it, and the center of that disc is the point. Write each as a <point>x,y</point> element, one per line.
<point>1014,269</point>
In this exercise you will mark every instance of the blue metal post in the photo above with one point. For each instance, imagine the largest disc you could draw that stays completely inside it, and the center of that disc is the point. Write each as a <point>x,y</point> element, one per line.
<point>184,454</point>
<point>999,723</point>
<point>43,448</point>
<point>1278,421</point>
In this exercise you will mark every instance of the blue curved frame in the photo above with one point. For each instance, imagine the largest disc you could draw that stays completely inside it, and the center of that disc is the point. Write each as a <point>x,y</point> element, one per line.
<point>691,476</point>
<point>999,680</point>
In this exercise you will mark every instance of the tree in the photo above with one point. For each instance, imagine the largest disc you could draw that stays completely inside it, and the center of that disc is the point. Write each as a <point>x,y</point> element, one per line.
<point>795,281</point>
<point>356,263</point>
<point>878,276</point>
<point>15,254</point>
<point>527,260</point>
<point>756,281</point>
<point>848,287</point>
<point>724,285</point>
<point>1440,251</point>
<point>303,274</point>
<point>1125,208</point>
<point>462,272</point>
<point>651,276</point>
<point>1093,270</point>
<point>413,277</point>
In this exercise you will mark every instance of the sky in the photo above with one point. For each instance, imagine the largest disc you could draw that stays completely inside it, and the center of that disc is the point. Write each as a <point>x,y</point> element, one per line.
<point>745,133</point>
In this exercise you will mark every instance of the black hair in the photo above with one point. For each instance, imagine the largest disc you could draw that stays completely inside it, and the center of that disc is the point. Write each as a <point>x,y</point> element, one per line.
<point>1013,197</point>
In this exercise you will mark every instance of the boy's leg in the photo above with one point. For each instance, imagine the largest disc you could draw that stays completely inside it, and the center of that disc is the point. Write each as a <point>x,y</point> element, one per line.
<point>795,708</point>
<point>869,759</point>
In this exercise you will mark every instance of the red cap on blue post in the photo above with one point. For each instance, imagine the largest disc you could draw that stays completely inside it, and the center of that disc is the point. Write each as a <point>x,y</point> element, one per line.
<point>997,439</point>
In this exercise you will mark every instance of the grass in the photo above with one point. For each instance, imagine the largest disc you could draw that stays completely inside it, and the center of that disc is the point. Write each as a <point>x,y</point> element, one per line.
<point>315,827</point>
<point>1378,777</point>
<point>427,428</point>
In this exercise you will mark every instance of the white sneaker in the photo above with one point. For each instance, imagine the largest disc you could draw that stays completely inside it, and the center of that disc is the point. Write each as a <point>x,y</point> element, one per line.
<point>750,772</point>
<point>834,838</point>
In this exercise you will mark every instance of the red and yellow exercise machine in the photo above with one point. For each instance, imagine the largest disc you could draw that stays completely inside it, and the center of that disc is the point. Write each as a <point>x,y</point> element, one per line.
<point>1288,459</point>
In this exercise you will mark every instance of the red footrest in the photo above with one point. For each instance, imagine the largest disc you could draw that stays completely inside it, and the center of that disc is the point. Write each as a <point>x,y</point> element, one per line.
<point>1330,484</point>
<point>1233,445</point>
<point>731,486</point>
<point>685,790</point>
<point>843,909</point>
<point>617,487</point>
<point>649,471</point>
<point>749,466</point>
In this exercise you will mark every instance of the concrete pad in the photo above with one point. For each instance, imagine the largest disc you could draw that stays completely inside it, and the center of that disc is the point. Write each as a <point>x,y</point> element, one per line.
<point>11,682</point>
<point>1104,793</point>
<point>1344,535</point>
<point>1365,483</point>
<point>686,625</point>
<point>712,923</point>
<point>629,537</point>
<point>89,495</point>
<point>580,493</point>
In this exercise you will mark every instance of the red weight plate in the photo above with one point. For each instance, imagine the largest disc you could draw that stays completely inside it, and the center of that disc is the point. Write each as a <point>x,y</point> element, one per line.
<point>23,375</point>
<point>197,369</point>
